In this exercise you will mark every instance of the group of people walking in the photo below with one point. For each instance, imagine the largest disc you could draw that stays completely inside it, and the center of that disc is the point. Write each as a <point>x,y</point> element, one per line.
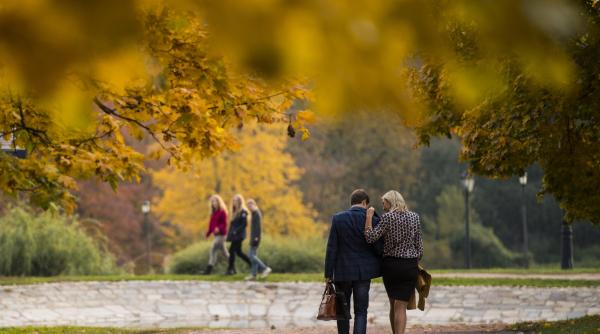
<point>242,213</point>
<point>363,245</point>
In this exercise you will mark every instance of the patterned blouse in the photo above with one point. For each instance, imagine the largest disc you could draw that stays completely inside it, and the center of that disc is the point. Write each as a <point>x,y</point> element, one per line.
<point>401,231</point>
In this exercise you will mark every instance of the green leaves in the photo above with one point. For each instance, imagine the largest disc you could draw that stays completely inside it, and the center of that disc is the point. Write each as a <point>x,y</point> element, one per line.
<point>532,121</point>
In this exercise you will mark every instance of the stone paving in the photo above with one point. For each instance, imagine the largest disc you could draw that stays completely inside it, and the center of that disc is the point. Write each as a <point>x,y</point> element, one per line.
<point>263,305</point>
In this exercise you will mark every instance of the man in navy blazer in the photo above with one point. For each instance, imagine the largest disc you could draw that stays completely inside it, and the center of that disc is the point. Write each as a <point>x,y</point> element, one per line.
<point>351,262</point>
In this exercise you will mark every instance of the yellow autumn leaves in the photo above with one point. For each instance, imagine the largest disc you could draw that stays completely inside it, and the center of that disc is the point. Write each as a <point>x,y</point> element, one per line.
<point>260,169</point>
<point>188,73</point>
<point>351,53</point>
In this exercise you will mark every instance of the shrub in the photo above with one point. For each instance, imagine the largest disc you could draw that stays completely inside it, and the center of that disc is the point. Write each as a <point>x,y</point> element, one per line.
<point>487,251</point>
<point>48,244</point>
<point>587,257</point>
<point>283,255</point>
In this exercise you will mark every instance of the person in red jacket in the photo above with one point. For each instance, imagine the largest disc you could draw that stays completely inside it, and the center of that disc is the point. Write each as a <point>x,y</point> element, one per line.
<point>218,227</point>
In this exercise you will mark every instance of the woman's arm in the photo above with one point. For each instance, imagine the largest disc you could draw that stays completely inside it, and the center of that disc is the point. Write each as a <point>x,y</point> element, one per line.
<point>221,223</point>
<point>373,234</point>
<point>369,221</point>
<point>243,219</point>
<point>419,239</point>
<point>239,223</point>
<point>211,226</point>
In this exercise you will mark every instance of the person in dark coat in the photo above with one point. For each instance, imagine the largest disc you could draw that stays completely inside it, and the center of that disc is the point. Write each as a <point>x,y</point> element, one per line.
<point>237,232</point>
<point>351,262</point>
<point>255,236</point>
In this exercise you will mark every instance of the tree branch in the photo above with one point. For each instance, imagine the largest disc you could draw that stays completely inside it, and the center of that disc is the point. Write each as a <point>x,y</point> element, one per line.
<point>110,111</point>
<point>42,135</point>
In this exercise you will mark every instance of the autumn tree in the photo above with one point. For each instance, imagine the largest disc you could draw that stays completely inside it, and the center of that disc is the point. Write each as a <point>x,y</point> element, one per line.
<point>168,85</point>
<point>260,169</point>
<point>370,150</point>
<point>117,215</point>
<point>514,79</point>
<point>517,117</point>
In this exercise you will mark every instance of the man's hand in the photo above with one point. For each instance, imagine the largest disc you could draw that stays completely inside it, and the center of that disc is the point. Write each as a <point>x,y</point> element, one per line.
<point>328,280</point>
<point>370,212</point>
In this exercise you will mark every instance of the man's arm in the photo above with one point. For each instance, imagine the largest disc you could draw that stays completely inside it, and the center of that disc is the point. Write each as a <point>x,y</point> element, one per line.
<point>331,253</point>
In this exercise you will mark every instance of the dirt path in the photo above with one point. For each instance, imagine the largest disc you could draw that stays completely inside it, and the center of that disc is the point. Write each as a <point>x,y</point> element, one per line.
<point>588,276</point>
<point>372,329</point>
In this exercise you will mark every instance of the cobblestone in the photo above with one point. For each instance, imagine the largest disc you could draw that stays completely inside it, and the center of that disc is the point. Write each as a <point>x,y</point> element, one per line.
<point>262,305</point>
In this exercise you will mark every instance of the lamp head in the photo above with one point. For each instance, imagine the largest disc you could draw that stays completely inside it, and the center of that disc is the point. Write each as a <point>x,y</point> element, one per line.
<point>146,207</point>
<point>523,179</point>
<point>468,182</point>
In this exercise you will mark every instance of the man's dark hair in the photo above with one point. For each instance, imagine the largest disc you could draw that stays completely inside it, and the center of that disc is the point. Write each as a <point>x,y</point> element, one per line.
<point>358,196</point>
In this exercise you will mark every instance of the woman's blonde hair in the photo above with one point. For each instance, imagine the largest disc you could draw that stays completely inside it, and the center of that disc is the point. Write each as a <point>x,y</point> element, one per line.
<point>396,201</point>
<point>220,201</point>
<point>235,210</point>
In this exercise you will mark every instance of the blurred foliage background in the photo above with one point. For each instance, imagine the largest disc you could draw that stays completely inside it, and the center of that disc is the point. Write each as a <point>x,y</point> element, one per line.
<point>118,102</point>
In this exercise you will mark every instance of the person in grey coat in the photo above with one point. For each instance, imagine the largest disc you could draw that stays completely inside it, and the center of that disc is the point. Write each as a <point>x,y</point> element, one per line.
<point>255,235</point>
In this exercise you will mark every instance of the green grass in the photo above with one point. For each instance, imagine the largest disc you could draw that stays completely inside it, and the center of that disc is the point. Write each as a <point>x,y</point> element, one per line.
<point>91,330</point>
<point>549,270</point>
<point>538,283</point>
<point>306,277</point>
<point>585,325</point>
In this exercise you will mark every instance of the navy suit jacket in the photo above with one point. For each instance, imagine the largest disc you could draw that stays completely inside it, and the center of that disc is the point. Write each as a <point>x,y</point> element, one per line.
<point>349,257</point>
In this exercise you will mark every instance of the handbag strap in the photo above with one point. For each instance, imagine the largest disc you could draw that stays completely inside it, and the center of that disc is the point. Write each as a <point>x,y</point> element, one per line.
<point>329,289</point>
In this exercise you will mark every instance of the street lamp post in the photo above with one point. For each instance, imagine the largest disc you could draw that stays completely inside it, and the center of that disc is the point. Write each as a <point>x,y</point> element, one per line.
<point>567,246</point>
<point>523,182</point>
<point>468,184</point>
<point>147,229</point>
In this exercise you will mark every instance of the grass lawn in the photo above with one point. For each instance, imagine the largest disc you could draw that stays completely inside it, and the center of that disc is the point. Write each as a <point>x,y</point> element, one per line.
<point>305,277</point>
<point>549,270</point>
<point>585,325</point>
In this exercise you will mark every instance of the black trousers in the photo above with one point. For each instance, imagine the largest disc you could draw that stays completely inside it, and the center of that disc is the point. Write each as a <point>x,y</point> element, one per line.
<point>236,249</point>
<point>361,304</point>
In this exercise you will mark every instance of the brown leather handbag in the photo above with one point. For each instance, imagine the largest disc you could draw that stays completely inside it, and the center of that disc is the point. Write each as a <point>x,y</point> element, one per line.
<point>328,309</point>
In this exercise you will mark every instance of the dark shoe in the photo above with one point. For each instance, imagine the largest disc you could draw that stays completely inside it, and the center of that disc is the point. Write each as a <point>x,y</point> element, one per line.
<point>208,270</point>
<point>231,271</point>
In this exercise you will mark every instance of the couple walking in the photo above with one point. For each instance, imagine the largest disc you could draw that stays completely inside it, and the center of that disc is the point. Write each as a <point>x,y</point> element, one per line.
<point>241,215</point>
<point>363,245</point>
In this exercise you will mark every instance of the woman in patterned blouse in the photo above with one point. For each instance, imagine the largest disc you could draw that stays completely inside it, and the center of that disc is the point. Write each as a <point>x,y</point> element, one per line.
<point>403,248</point>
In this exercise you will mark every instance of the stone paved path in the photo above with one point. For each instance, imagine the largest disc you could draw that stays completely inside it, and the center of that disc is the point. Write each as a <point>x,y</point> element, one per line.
<point>262,305</point>
<point>374,329</point>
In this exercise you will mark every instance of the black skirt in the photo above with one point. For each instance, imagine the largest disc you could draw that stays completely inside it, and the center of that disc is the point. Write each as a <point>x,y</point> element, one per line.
<point>400,277</point>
